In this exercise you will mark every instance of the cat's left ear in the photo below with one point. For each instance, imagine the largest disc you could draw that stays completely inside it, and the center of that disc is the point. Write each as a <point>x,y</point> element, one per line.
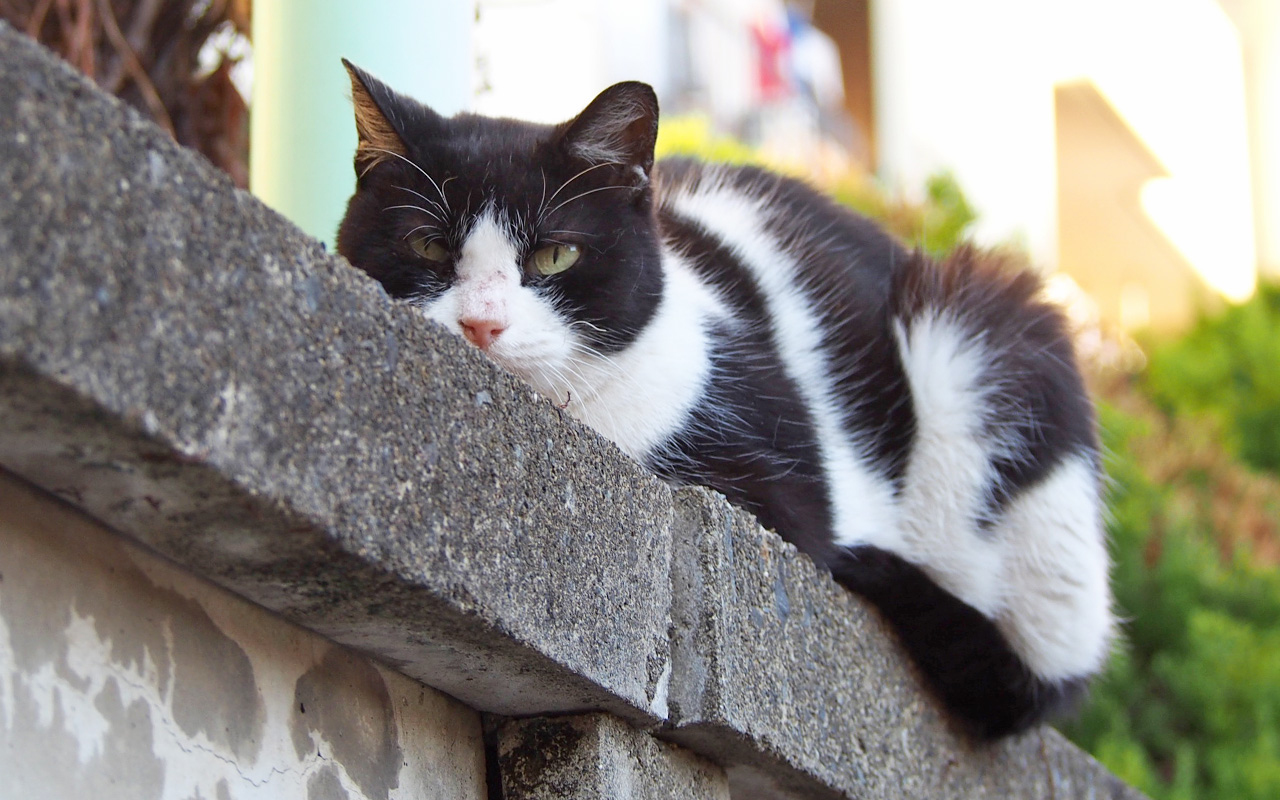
<point>620,126</point>
<point>374,102</point>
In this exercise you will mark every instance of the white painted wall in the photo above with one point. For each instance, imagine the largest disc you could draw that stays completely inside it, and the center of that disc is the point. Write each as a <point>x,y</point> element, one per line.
<point>969,87</point>
<point>1173,70</point>
<point>964,87</point>
<point>544,60</point>
<point>1259,24</point>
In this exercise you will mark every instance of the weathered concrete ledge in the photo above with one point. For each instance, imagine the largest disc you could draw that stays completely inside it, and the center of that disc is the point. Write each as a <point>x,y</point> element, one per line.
<point>772,658</point>
<point>187,367</point>
<point>196,372</point>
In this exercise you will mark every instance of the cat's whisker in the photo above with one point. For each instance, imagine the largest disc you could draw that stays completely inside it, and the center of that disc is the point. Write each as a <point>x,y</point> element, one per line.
<point>419,228</point>
<point>583,234</point>
<point>581,195</point>
<point>542,203</point>
<point>574,384</point>
<point>418,168</point>
<point>431,214</point>
<point>563,186</point>
<point>607,365</point>
<point>402,158</point>
<point>586,391</point>
<point>424,198</point>
<point>588,324</point>
<point>440,189</point>
<point>591,168</point>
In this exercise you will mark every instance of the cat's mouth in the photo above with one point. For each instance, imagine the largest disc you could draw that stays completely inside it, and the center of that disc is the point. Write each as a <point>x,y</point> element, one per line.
<point>520,367</point>
<point>513,366</point>
<point>541,380</point>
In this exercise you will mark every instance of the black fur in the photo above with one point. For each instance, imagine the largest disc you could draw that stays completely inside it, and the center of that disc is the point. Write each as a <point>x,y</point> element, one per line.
<point>960,652</point>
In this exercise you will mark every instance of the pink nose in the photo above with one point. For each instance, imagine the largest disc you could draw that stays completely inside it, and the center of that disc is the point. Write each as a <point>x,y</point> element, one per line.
<point>481,332</point>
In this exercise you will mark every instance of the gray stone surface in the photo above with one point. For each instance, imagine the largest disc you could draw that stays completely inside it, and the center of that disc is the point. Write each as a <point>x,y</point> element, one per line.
<point>799,689</point>
<point>124,677</point>
<point>190,368</point>
<point>598,757</point>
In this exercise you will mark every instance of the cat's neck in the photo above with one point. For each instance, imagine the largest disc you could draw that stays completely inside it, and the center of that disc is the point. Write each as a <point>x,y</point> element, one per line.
<point>641,396</point>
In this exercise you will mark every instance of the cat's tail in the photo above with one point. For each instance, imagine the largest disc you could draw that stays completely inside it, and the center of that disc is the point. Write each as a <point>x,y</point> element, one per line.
<point>997,579</point>
<point>964,657</point>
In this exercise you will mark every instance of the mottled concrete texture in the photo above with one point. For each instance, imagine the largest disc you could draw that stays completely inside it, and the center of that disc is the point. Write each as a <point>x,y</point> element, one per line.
<point>181,364</point>
<point>598,757</point>
<point>192,369</point>
<point>796,686</point>
<point>124,677</point>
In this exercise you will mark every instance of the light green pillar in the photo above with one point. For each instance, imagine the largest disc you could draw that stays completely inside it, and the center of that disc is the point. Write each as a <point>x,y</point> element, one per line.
<point>302,136</point>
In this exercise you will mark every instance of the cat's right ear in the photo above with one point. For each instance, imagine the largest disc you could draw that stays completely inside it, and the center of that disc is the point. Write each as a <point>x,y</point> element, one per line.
<point>619,126</point>
<point>375,105</point>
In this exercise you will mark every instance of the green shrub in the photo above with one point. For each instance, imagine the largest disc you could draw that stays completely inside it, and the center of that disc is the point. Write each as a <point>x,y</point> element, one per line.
<point>1228,368</point>
<point>937,225</point>
<point>693,136</point>
<point>1190,706</point>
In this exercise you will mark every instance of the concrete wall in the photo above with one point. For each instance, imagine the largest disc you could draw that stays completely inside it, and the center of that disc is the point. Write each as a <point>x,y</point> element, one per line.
<point>122,676</point>
<point>183,367</point>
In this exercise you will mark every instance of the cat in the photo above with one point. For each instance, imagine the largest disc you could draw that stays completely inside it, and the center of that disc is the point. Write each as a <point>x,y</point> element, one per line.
<point>918,428</point>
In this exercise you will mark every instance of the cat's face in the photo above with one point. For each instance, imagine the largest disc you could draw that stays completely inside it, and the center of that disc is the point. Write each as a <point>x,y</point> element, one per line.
<point>534,242</point>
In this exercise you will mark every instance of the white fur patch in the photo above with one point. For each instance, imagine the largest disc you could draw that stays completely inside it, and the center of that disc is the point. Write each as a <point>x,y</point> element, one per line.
<point>644,394</point>
<point>487,283</point>
<point>950,463</point>
<point>1059,618</point>
<point>861,501</point>
<point>1041,571</point>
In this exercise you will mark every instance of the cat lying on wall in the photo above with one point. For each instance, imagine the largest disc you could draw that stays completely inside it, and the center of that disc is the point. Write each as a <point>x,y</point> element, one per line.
<point>918,428</point>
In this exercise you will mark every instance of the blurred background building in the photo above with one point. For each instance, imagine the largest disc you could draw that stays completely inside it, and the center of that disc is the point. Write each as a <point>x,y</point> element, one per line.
<point>1127,143</point>
<point>1122,141</point>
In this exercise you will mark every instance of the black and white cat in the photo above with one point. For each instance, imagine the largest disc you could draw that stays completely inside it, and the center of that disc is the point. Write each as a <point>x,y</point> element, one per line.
<point>918,428</point>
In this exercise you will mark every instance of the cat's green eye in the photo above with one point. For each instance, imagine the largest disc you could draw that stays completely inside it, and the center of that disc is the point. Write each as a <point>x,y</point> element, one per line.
<point>555,258</point>
<point>431,250</point>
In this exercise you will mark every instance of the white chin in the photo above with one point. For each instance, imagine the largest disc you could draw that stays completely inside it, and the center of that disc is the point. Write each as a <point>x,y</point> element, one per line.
<point>521,369</point>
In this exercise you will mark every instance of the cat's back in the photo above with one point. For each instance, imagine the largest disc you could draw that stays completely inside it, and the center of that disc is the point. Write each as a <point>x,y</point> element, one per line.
<point>921,383</point>
<point>818,280</point>
<point>829,250</point>
<point>807,287</point>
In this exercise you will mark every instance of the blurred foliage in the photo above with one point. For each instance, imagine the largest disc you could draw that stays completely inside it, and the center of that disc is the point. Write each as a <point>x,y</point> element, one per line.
<point>1228,369</point>
<point>937,223</point>
<point>1190,705</point>
<point>693,136</point>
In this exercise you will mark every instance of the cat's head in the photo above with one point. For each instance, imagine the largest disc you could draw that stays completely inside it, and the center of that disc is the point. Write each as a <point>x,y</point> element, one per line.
<point>535,242</point>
